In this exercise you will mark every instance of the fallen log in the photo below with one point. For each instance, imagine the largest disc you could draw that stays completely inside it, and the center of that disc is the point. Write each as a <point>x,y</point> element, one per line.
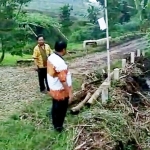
<point>78,96</point>
<point>81,104</point>
<point>25,61</point>
<point>97,92</point>
<point>85,85</point>
<point>72,52</point>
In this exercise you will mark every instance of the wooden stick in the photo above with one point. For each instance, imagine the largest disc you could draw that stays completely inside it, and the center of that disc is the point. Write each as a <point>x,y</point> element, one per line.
<point>81,104</point>
<point>98,91</point>
<point>77,137</point>
<point>146,100</point>
<point>80,146</point>
<point>82,125</point>
<point>78,96</point>
<point>84,143</point>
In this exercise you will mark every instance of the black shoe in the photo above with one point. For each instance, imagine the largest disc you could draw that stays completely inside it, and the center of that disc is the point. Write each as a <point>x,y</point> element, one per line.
<point>59,129</point>
<point>44,92</point>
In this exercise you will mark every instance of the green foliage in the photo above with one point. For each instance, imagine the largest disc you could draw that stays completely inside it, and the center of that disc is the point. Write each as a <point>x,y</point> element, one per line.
<point>18,29</point>
<point>30,129</point>
<point>81,34</point>
<point>65,18</point>
<point>27,25</point>
<point>119,11</point>
<point>113,9</point>
<point>12,36</point>
<point>142,7</point>
<point>48,27</point>
<point>11,60</point>
<point>18,37</point>
<point>37,19</point>
<point>87,33</point>
<point>120,29</point>
<point>93,14</point>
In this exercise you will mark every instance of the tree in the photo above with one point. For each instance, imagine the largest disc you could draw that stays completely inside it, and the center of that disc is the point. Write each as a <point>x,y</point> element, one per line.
<point>142,7</point>
<point>93,14</point>
<point>113,11</point>
<point>42,24</point>
<point>131,7</point>
<point>118,11</point>
<point>11,36</point>
<point>65,19</point>
<point>125,13</point>
<point>92,29</point>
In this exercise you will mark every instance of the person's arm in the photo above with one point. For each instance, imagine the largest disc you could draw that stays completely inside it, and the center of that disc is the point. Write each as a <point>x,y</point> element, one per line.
<point>50,69</point>
<point>35,57</point>
<point>63,79</point>
<point>50,50</point>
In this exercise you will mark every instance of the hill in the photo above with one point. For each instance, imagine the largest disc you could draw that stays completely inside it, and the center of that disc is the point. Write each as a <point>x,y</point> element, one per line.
<point>53,6</point>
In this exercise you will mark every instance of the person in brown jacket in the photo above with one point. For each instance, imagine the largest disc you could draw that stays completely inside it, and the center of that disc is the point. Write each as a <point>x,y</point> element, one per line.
<point>40,55</point>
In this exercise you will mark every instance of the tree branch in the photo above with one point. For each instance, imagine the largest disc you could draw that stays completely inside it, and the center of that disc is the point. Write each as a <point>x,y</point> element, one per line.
<point>19,11</point>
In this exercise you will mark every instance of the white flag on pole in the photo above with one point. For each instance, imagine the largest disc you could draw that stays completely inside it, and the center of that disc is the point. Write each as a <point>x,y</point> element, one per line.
<point>102,23</point>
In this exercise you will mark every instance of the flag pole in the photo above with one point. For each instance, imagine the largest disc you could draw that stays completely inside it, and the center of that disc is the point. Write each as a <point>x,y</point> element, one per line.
<point>107,37</point>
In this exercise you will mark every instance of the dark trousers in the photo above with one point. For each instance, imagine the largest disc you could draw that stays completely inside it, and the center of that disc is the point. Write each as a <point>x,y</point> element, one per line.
<point>59,110</point>
<point>42,75</point>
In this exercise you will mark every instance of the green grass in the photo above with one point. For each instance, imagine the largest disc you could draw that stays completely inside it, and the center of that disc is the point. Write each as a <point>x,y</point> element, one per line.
<point>75,46</point>
<point>116,64</point>
<point>35,131</point>
<point>10,60</point>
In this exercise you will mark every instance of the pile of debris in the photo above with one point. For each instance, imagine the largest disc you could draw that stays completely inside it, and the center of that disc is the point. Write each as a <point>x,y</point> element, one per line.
<point>124,121</point>
<point>88,88</point>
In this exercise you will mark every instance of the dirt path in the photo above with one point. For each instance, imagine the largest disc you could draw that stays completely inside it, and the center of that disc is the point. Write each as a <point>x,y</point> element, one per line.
<point>93,61</point>
<point>19,85</point>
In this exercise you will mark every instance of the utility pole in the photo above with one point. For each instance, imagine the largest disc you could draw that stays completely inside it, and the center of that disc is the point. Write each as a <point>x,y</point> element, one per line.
<point>107,36</point>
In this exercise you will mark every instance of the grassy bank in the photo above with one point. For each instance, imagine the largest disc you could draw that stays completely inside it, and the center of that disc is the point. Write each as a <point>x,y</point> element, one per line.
<point>31,129</point>
<point>10,60</point>
<point>35,131</point>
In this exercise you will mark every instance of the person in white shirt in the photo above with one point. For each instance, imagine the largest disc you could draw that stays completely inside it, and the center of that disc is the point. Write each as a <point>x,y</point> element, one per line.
<point>60,84</point>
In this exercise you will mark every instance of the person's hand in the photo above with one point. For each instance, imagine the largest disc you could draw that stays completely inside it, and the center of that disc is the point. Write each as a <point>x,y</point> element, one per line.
<point>35,69</point>
<point>70,97</point>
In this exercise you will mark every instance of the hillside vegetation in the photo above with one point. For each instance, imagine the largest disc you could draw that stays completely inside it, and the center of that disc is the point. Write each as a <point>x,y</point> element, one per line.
<point>53,6</point>
<point>56,20</point>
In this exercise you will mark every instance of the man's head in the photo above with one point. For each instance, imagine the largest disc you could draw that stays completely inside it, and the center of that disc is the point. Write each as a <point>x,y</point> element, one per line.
<point>40,39</point>
<point>60,47</point>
